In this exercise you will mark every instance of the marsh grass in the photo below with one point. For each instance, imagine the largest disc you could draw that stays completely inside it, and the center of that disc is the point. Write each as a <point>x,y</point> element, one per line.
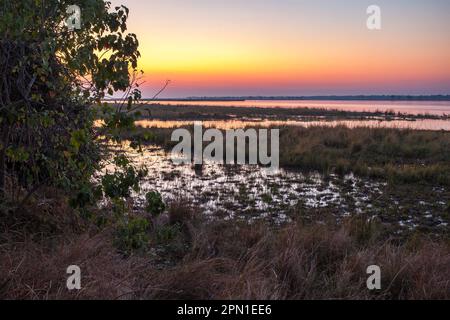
<point>188,256</point>
<point>161,111</point>
<point>224,260</point>
<point>229,260</point>
<point>400,156</point>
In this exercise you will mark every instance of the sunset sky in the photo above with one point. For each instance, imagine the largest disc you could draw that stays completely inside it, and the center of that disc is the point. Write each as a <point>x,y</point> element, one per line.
<point>292,47</point>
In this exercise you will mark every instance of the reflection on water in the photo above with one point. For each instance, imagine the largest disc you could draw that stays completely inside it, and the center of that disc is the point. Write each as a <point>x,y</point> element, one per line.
<point>410,107</point>
<point>236,124</point>
<point>249,193</point>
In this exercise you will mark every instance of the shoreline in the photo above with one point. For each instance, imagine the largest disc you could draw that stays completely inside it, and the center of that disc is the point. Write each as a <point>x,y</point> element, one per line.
<point>320,97</point>
<point>219,112</point>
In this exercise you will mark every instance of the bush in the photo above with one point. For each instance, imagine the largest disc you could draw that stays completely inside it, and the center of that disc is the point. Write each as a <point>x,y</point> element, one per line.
<point>166,234</point>
<point>132,234</point>
<point>155,204</point>
<point>51,78</point>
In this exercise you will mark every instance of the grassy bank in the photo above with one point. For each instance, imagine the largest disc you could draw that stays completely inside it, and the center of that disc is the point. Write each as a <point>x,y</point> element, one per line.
<point>397,155</point>
<point>201,112</point>
<point>400,156</point>
<point>187,257</point>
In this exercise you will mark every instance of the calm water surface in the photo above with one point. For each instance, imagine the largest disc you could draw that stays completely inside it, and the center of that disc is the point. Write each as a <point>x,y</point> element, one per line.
<point>237,124</point>
<point>250,193</point>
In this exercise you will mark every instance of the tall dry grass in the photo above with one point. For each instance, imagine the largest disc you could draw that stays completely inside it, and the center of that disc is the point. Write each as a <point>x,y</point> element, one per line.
<point>227,260</point>
<point>401,156</point>
<point>239,261</point>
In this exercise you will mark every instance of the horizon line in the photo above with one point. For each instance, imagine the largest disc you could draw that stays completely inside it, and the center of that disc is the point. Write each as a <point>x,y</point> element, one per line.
<point>387,97</point>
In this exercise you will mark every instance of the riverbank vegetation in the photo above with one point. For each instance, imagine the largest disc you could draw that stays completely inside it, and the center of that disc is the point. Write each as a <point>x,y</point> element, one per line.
<point>66,198</point>
<point>187,257</point>
<point>161,111</point>
<point>399,156</point>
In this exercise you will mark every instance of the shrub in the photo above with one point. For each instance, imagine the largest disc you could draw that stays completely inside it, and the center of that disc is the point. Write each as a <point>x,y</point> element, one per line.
<point>165,234</point>
<point>155,204</point>
<point>132,234</point>
<point>51,78</point>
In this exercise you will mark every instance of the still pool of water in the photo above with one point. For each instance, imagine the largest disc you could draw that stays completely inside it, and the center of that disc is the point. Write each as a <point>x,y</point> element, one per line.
<point>250,193</point>
<point>237,124</point>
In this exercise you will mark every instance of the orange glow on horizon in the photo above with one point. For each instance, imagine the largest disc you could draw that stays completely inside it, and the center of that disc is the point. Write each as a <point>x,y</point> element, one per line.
<point>199,49</point>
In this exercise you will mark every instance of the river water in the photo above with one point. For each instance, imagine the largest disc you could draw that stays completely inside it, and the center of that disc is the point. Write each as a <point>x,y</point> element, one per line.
<point>250,193</point>
<point>237,124</point>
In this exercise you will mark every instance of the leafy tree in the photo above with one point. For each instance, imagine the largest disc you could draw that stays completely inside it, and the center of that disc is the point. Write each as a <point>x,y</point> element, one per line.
<point>52,84</point>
